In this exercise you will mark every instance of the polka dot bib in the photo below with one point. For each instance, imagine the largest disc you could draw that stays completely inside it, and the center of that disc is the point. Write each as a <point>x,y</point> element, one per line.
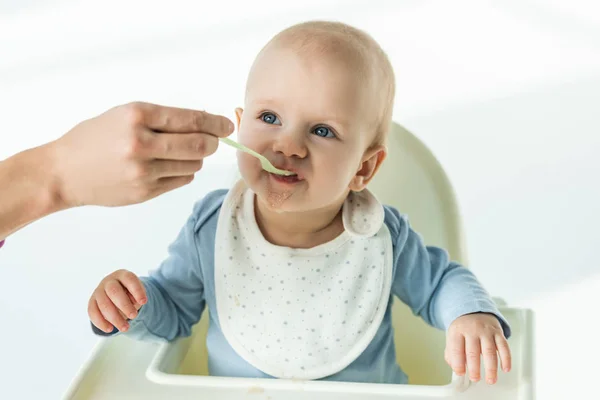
<point>301,313</point>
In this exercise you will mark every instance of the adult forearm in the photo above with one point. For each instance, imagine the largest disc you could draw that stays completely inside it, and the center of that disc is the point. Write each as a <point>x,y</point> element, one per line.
<point>28,189</point>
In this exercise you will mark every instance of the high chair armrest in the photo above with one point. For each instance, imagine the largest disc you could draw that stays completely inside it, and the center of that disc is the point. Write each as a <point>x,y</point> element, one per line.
<point>123,368</point>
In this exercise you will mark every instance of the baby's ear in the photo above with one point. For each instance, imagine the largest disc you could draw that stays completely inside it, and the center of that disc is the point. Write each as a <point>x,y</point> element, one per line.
<point>238,116</point>
<point>368,168</point>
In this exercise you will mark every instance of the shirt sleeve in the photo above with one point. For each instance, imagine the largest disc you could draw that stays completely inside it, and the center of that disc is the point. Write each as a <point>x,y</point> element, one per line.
<point>435,288</point>
<point>175,291</point>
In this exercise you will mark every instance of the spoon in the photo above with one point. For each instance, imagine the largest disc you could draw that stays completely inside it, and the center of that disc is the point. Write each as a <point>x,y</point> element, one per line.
<point>266,164</point>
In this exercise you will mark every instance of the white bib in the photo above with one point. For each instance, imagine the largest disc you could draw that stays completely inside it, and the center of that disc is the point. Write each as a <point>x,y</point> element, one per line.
<point>301,313</point>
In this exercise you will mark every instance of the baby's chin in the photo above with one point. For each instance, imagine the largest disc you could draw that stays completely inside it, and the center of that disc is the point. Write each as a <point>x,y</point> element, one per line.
<point>275,196</point>
<point>276,200</point>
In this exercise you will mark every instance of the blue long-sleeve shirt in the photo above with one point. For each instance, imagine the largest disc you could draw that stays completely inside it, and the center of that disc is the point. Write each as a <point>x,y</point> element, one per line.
<point>423,277</point>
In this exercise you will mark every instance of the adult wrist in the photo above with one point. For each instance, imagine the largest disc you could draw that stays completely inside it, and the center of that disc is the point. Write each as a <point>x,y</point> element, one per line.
<point>47,173</point>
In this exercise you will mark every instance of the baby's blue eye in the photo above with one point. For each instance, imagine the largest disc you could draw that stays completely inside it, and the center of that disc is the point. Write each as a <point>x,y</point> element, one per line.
<point>270,118</point>
<point>323,131</point>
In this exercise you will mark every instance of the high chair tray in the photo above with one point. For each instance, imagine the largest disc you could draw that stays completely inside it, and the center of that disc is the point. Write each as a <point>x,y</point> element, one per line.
<point>120,368</point>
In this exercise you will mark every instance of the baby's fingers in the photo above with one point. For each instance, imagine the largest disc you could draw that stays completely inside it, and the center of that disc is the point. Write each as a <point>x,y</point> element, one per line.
<point>473,348</point>
<point>135,303</point>
<point>504,351</point>
<point>97,318</point>
<point>490,359</point>
<point>455,349</point>
<point>110,312</point>
<point>117,294</point>
<point>133,284</point>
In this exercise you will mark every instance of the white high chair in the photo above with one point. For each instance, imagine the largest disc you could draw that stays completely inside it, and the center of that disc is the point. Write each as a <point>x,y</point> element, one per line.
<point>411,180</point>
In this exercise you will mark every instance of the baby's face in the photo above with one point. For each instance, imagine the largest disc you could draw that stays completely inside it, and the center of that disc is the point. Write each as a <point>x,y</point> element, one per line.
<point>311,116</point>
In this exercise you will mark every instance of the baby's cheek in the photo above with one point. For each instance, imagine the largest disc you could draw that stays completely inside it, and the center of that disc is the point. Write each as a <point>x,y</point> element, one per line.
<point>329,186</point>
<point>340,175</point>
<point>245,162</point>
<point>249,168</point>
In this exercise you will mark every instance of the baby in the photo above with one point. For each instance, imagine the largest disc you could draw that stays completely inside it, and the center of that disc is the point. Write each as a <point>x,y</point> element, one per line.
<point>298,273</point>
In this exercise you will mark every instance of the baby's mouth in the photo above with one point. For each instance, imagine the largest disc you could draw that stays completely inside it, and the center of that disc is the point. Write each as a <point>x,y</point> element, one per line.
<point>295,177</point>
<point>287,179</point>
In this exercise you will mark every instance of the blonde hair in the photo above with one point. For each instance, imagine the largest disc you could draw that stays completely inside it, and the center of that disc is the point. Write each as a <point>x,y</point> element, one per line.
<point>352,45</point>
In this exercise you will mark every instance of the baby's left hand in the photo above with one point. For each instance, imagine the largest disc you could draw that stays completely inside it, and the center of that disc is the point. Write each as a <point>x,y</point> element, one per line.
<point>472,335</point>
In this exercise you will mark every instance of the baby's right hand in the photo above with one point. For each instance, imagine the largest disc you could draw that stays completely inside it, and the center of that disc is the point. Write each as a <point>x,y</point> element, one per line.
<point>117,298</point>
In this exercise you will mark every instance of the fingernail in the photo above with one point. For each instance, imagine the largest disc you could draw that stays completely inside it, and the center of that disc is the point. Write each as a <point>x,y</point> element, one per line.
<point>132,315</point>
<point>231,126</point>
<point>490,381</point>
<point>143,300</point>
<point>124,328</point>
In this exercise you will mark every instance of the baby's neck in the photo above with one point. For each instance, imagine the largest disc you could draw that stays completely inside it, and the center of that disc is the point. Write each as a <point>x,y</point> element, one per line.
<point>300,230</point>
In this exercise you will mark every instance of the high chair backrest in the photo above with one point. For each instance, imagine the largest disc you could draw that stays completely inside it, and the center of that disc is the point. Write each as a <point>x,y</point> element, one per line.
<point>412,180</point>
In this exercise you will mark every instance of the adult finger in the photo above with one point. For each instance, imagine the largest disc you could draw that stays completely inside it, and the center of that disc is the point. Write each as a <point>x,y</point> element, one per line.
<point>165,185</point>
<point>133,285</point>
<point>490,359</point>
<point>182,146</point>
<point>504,351</point>
<point>473,351</point>
<point>110,312</point>
<point>167,168</point>
<point>97,318</point>
<point>182,120</point>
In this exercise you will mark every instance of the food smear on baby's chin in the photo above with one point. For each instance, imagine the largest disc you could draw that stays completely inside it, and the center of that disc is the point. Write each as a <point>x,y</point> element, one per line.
<point>276,198</point>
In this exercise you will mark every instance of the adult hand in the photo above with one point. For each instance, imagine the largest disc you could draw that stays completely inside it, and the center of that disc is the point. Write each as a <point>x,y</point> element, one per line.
<point>133,153</point>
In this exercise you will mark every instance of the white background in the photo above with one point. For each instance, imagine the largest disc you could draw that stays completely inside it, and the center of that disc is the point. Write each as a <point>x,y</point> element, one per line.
<point>506,94</point>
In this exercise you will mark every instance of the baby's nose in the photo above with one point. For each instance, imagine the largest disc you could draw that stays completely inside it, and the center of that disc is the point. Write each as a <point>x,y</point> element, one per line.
<point>290,145</point>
